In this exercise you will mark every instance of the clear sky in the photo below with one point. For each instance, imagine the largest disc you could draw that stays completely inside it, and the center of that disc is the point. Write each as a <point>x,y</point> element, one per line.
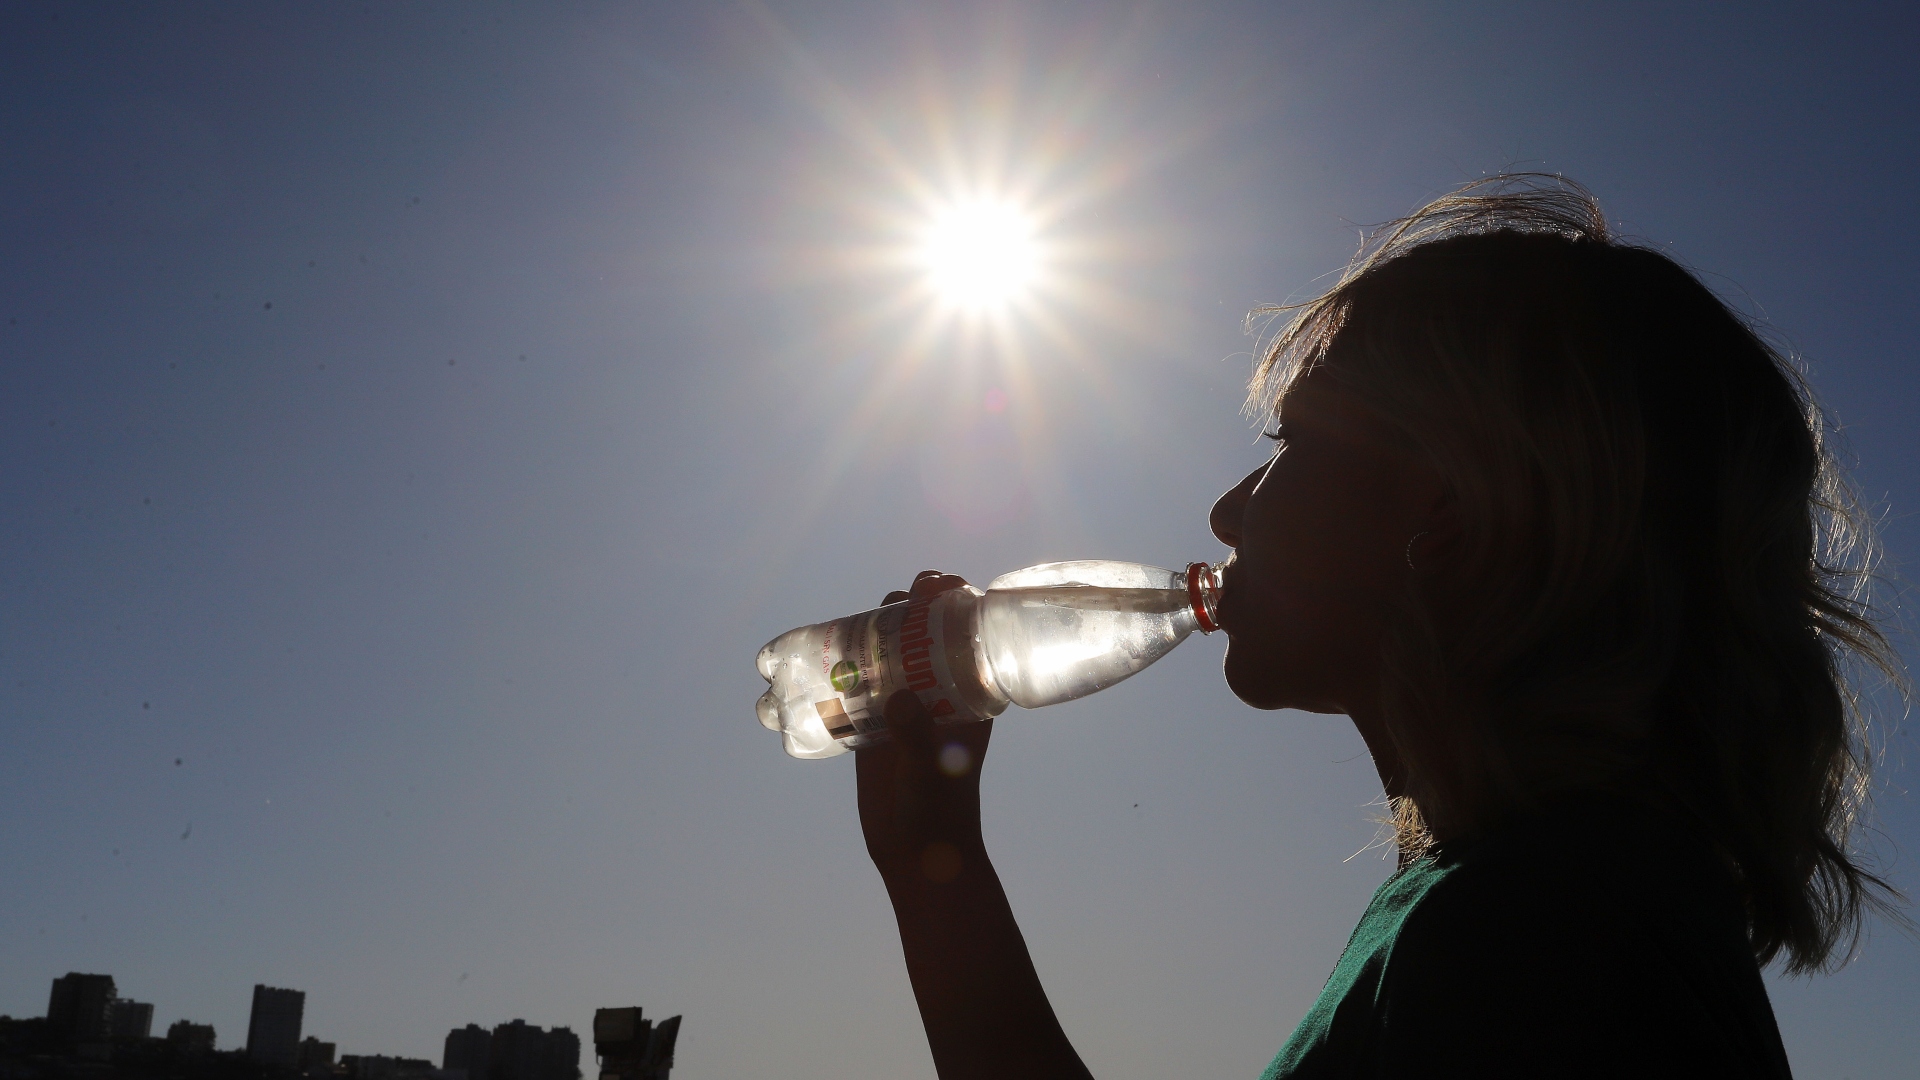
<point>414,416</point>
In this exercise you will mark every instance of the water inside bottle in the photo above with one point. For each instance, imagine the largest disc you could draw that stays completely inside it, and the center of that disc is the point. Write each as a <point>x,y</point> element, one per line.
<point>1099,598</point>
<point>1053,643</point>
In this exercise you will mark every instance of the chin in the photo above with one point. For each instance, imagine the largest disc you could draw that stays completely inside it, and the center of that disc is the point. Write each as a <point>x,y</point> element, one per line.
<point>1261,685</point>
<point>1266,683</point>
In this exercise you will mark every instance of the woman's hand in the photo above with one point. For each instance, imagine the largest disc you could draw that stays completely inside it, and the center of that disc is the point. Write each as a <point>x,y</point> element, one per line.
<point>920,790</point>
<point>987,1017</point>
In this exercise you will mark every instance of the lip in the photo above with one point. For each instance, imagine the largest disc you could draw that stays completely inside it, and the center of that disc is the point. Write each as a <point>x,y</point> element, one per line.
<point>1223,613</point>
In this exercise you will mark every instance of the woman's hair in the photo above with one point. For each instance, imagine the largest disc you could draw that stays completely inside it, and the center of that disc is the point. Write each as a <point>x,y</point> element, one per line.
<point>1656,583</point>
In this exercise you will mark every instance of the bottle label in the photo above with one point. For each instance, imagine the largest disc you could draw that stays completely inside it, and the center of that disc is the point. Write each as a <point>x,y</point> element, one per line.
<point>867,658</point>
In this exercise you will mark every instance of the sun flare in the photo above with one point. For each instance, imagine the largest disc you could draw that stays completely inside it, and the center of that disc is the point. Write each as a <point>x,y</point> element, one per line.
<point>980,255</point>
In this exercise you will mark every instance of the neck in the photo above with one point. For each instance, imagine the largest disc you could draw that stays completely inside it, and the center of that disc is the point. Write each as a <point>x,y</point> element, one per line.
<point>1372,726</point>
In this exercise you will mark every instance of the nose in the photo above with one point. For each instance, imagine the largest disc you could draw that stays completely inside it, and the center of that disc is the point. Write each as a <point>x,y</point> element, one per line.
<point>1225,517</point>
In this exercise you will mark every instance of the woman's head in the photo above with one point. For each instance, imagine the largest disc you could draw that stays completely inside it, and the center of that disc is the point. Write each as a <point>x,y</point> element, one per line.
<point>1627,546</point>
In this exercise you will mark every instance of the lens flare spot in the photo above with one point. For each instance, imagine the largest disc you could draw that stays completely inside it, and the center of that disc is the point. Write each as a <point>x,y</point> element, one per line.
<point>955,760</point>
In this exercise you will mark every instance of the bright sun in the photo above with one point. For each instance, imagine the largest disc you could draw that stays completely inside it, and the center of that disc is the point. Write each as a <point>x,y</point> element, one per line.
<point>980,255</point>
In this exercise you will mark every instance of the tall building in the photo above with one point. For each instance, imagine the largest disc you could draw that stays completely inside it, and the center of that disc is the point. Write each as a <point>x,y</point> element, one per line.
<point>466,1050</point>
<point>273,1029</point>
<point>130,1019</point>
<point>80,1009</point>
<point>522,1051</point>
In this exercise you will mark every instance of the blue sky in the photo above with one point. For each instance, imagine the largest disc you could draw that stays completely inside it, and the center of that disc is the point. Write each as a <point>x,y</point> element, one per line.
<point>393,641</point>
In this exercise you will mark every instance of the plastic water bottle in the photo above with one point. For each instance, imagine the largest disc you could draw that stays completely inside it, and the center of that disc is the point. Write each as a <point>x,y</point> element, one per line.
<point>1035,637</point>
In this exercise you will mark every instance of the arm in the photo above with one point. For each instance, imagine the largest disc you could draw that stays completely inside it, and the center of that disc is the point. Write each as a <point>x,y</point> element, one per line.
<point>985,1012</point>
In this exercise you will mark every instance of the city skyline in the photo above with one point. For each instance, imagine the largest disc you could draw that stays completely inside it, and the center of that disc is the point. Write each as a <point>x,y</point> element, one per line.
<point>87,1020</point>
<point>84,1007</point>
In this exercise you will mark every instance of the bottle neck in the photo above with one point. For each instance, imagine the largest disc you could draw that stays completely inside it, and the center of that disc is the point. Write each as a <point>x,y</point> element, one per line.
<point>1203,593</point>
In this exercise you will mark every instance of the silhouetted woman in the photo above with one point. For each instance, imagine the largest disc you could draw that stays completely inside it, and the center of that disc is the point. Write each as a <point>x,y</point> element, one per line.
<point>1558,532</point>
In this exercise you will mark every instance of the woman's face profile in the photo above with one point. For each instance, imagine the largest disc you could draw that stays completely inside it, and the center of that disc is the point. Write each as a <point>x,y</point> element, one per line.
<point>1320,536</point>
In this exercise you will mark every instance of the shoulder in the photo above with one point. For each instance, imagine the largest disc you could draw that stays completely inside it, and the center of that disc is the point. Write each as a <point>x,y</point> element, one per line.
<point>1576,951</point>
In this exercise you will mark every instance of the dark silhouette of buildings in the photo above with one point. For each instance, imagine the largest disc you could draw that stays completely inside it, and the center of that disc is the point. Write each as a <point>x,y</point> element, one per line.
<point>630,1047</point>
<point>466,1051</point>
<point>382,1067</point>
<point>523,1051</point>
<point>190,1038</point>
<point>129,1019</point>
<point>314,1056</point>
<point>80,1013</point>
<point>273,1028</point>
<point>90,1033</point>
<point>23,1039</point>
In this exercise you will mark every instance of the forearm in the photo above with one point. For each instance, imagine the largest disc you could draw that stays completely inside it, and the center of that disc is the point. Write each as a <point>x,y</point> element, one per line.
<point>985,1012</point>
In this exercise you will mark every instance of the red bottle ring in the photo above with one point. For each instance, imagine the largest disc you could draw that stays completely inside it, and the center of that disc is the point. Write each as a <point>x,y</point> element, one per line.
<point>1201,585</point>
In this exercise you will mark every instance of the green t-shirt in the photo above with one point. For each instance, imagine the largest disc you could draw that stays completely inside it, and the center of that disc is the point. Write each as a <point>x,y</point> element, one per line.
<point>1601,940</point>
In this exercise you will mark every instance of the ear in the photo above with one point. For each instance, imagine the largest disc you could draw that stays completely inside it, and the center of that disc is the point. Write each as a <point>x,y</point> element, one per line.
<point>1436,512</point>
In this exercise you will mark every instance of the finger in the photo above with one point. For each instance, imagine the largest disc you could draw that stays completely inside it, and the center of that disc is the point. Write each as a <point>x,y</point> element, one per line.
<point>909,722</point>
<point>895,597</point>
<point>933,583</point>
